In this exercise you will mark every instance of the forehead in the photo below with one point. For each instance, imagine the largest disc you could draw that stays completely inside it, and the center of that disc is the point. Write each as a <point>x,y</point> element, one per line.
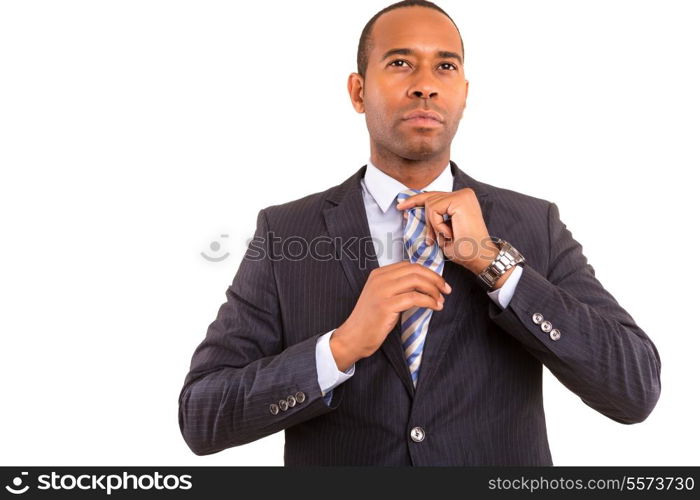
<point>418,28</point>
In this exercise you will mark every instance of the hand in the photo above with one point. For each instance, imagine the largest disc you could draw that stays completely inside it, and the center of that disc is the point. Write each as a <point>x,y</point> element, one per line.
<point>464,238</point>
<point>389,290</point>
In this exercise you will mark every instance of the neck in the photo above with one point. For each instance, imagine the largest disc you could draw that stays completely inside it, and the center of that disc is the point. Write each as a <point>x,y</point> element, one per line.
<point>415,174</point>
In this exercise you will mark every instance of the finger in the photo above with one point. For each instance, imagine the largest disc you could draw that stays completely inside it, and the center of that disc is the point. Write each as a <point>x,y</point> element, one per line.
<point>440,226</point>
<point>395,271</point>
<point>436,210</point>
<point>430,236</point>
<point>418,282</point>
<point>404,301</point>
<point>433,276</point>
<point>442,241</point>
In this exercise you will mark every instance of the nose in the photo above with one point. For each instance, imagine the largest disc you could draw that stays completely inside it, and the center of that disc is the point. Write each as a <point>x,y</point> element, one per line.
<point>421,93</point>
<point>423,86</point>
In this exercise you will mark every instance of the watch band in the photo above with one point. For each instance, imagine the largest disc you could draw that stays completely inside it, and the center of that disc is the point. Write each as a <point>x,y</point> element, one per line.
<point>507,257</point>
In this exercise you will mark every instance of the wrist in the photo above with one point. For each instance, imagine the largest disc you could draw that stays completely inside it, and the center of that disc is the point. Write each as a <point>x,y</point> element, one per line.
<point>498,260</point>
<point>502,280</point>
<point>484,259</point>
<point>341,349</point>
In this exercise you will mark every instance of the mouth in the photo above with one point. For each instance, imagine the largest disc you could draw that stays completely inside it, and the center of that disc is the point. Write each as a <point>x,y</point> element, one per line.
<point>423,119</point>
<point>423,122</point>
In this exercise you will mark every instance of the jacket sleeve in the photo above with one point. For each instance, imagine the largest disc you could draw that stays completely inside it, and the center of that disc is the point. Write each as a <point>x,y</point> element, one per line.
<point>570,323</point>
<point>242,366</point>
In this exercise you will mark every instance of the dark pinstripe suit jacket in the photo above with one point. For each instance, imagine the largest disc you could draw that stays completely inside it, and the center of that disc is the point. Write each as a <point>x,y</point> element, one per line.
<point>479,395</point>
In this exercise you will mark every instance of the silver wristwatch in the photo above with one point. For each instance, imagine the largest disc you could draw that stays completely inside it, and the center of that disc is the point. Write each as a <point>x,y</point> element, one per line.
<point>507,257</point>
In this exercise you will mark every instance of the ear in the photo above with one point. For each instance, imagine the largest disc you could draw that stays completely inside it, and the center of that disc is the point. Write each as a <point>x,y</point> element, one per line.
<point>466,92</point>
<point>356,89</point>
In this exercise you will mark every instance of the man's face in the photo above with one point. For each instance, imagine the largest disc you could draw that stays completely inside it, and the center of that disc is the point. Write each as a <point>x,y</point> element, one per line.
<point>423,75</point>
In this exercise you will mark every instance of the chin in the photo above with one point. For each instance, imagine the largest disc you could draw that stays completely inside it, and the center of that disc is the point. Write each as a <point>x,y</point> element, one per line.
<point>421,151</point>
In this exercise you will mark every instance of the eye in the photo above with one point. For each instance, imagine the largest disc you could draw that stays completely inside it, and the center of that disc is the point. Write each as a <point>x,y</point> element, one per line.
<point>398,61</point>
<point>450,64</point>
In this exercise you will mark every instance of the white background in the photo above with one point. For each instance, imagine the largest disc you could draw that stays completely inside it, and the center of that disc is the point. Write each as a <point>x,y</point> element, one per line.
<point>135,133</point>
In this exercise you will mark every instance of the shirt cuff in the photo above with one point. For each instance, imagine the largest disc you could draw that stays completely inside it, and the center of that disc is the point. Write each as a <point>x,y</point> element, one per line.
<point>329,376</point>
<point>502,296</point>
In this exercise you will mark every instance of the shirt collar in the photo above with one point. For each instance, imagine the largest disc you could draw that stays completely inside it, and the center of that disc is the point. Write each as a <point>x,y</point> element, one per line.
<point>384,188</point>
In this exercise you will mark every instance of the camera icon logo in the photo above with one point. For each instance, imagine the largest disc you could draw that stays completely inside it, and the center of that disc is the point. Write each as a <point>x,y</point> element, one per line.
<point>17,483</point>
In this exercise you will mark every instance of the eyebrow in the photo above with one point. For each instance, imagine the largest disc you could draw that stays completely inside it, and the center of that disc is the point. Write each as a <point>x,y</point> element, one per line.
<point>445,54</point>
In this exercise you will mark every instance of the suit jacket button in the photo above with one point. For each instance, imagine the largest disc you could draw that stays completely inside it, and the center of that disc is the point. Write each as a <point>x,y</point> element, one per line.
<point>274,409</point>
<point>546,327</point>
<point>291,401</point>
<point>555,334</point>
<point>300,397</point>
<point>417,434</point>
<point>537,318</point>
<point>282,404</point>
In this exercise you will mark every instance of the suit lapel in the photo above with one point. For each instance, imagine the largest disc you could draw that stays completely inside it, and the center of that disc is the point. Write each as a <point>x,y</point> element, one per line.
<point>346,221</point>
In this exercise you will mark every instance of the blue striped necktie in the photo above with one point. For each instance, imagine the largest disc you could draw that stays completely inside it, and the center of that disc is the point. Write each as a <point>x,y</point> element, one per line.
<point>414,321</point>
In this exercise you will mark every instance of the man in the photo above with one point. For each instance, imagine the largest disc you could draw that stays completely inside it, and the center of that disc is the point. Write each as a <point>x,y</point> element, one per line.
<point>425,346</point>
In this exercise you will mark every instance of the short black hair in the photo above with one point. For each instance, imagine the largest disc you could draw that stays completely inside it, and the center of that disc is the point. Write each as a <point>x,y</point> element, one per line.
<point>363,48</point>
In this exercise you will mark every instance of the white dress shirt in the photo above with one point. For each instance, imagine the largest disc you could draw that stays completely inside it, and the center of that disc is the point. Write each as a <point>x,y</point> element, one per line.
<point>379,192</point>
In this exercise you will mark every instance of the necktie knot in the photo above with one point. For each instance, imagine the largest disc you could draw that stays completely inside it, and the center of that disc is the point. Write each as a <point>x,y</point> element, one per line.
<point>407,193</point>
<point>416,212</point>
